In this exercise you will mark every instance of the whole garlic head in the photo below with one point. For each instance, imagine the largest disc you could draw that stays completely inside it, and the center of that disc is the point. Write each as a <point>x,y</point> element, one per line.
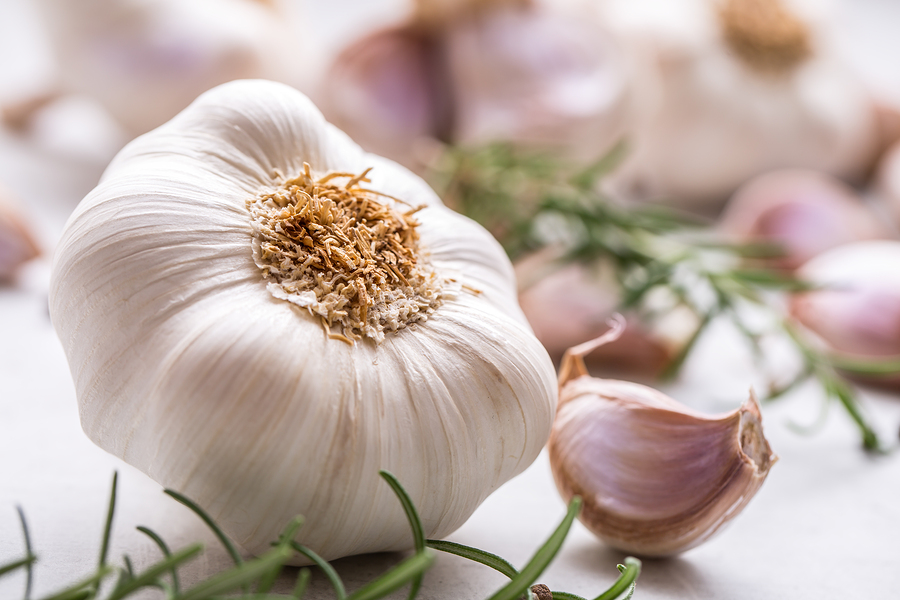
<point>656,477</point>
<point>729,89</point>
<point>261,315</point>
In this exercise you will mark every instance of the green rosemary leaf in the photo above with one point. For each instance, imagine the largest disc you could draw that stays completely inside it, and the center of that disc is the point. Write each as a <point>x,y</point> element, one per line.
<point>480,556</point>
<point>588,178</point>
<point>239,575</point>
<point>229,546</point>
<point>626,580</point>
<point>107,530</point>
<point>531,571</point>
<point>840,390</point>
<point>129,568</point>
<point>85,588</point>
<point>287,536</point>
<point>866,366</point>
<point>164,548</point>
<point>17,564</point>
<point>329,571</point>
<point>302,582</point>
<point>415,522</point>
<point>675,365</point>
<point>29,574</point>
<point>153,572</point>
<point>405,572</point>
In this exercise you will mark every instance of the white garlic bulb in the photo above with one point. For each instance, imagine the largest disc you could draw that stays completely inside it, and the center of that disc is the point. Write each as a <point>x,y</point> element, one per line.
<point>540,73</point>
<point>729,89</point>
<point>246,323</point>
<point>856,313</point>
<point>805,212</point>
<point>17,243</point>
<point>656,477</point>
<point>145,60</point>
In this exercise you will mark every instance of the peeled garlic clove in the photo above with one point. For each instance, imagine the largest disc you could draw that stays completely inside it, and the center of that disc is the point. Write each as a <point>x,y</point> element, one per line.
<point>145,60</point>
<point>17,244</point>
<point>247,324</point>
<point>857,311</point>
<point>723,97</point>
<point>656,477</point>
<point>805,212</point>
<point>544,74</point>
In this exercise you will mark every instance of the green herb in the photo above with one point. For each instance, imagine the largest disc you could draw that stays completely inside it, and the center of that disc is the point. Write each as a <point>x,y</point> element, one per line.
<point>531,202</point>
<point>260,574</point>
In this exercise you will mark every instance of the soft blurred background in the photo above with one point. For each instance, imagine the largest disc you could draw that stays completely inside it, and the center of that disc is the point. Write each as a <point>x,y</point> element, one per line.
<point>685,125</point>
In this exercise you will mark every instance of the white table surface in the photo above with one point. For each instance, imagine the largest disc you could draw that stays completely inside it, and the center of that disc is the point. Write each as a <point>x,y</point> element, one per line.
<point>826,524</point>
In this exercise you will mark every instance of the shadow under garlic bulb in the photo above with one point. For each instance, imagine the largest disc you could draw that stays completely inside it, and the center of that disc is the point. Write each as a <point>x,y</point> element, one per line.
<point>656,478</point>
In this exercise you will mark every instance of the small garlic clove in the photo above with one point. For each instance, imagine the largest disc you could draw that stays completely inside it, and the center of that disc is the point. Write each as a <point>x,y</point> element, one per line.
<point>17,244</point>
<point>803,211</point>
<point>656,477</point>
<point>857,311</point>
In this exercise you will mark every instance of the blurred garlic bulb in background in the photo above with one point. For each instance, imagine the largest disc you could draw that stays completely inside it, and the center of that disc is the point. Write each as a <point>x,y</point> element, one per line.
<point>857,313</point>
<point>804,212</point>
<point>17,244</point>
<point>261,315</point>
<point>732,88</point>
<point>540,73</point>
<point>656,477</point>
<point>145,60</point>
<point>889,182</point>
<point>570,304</point>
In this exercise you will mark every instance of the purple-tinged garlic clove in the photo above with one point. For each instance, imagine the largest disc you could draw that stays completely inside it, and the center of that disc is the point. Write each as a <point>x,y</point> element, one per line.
<point>856,313</point>
<point>656,477</point>
<point>17,244</point>
<point>804,212</point>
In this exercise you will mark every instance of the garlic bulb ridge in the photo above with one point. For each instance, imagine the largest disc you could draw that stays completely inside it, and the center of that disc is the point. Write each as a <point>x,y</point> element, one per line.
<point>656,477</point>
<point>190,290</point>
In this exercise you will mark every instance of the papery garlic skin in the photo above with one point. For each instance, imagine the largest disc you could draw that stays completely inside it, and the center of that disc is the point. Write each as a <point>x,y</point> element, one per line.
<point>187,367</point>
<point>145,60</point>
<point>656,477</point>
<point>708,120</point>
<point>857,310</point>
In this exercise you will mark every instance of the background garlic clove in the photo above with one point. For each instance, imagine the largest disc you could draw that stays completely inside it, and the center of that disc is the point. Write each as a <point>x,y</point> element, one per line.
<point>857,313</point>
<point>545,75</point>
<point>144,61</point>
<point>708,119</point>
<point>804,212</point>
<point>889,181</point>
<point>17,244</point>
<point>656,477</point>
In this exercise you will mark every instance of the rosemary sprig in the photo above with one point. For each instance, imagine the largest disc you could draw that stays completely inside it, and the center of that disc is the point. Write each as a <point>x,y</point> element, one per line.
<point>261,573</point>
<point>531,201</point>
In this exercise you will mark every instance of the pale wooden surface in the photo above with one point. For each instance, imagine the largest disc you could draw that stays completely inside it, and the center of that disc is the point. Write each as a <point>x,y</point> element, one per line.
<point>825,525</point>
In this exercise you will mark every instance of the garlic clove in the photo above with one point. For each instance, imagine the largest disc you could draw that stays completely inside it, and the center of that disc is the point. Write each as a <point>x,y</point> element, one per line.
<point>656,477</point>
<point>188,365</point>
<point>545,75</point>
<point>805,212</point>
<point>17,244</point>
<point>888,181</point>
<point>857,311</point>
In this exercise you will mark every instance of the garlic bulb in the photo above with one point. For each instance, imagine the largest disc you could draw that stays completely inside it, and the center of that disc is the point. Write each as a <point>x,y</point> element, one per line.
<point>537,73</point>
<point>889,181</point>
<point>656,477</point>
<point>804,212</point>
<point>17,244</point>
<point>261,315</point>
<point>857,311</point>
<point>145,60</point>
<point>729,89</point>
